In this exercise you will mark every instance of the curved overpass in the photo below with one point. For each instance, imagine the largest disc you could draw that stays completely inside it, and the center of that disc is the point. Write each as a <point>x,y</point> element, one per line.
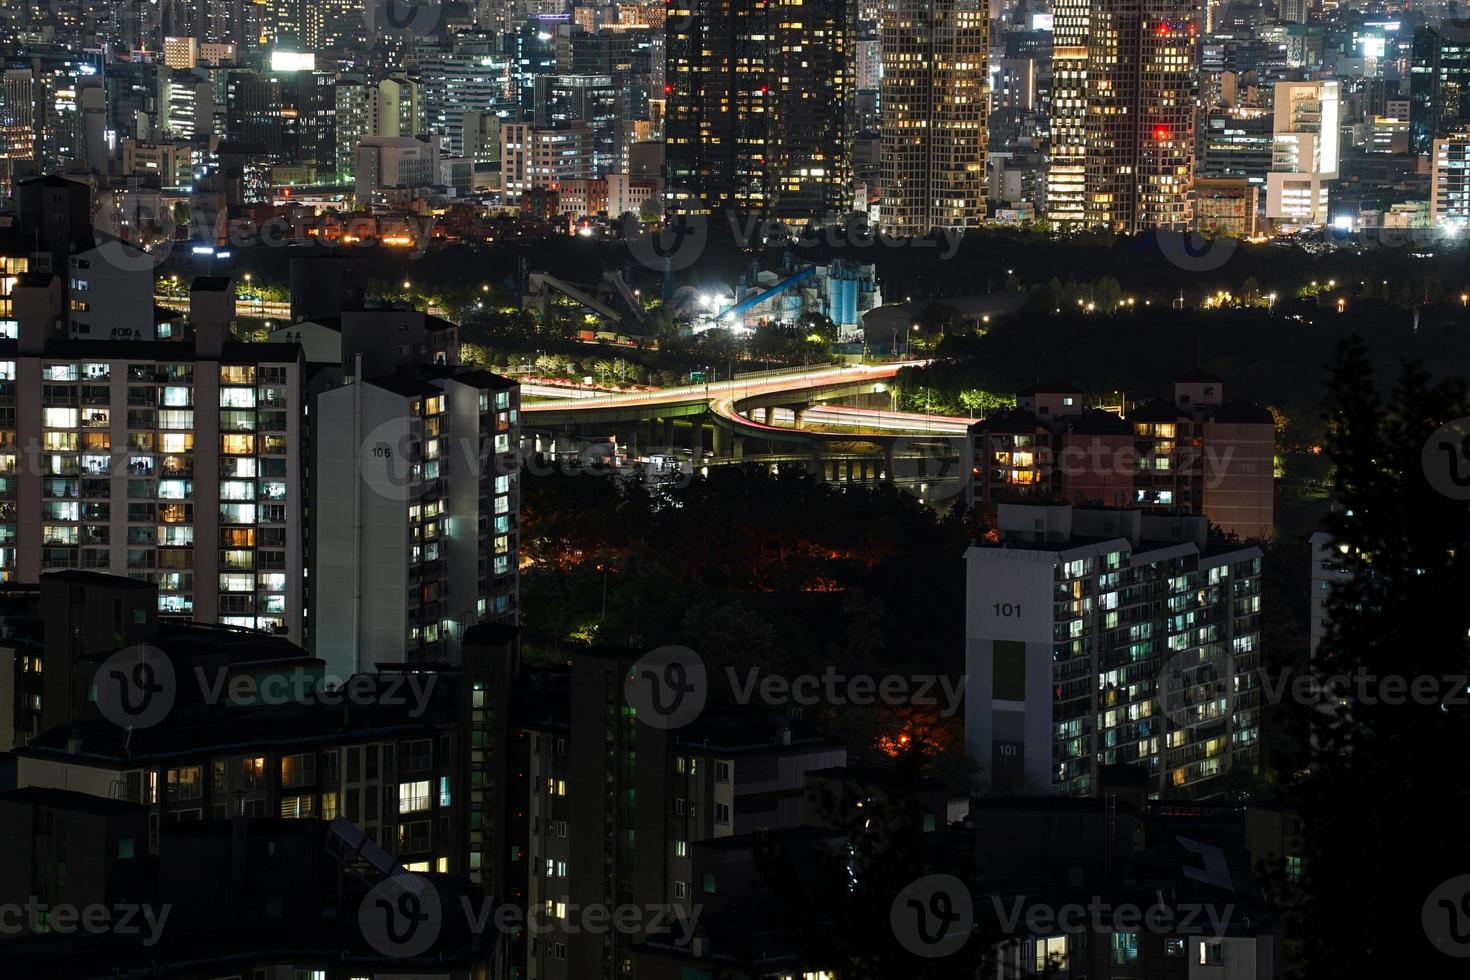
<point>731,405</point>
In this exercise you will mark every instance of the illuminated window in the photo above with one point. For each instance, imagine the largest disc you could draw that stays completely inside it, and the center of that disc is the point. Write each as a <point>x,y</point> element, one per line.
<point>413,797</point>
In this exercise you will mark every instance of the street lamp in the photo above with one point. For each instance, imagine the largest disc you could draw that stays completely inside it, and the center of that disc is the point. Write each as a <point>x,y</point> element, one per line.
<point>1270,301</point>
<point>1465,299</point>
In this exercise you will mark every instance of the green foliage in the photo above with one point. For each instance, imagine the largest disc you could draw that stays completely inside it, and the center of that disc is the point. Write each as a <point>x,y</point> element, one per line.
<point>1384,804</point>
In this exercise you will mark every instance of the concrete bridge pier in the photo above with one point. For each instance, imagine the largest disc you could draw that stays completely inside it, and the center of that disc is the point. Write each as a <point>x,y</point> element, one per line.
<point>818,466</point>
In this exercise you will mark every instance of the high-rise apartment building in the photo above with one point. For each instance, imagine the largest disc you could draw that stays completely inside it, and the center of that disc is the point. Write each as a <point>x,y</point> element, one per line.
<point>172,461</point>
<point>415,536</point>
<point>1066,176</point>
<point>759,107</point>
<point>1125,80</point>
<point>934,100</point>
<point>1142,82</point>
<point>1102,637</point>
<point>1304,155</point>
<point>1449,182</point>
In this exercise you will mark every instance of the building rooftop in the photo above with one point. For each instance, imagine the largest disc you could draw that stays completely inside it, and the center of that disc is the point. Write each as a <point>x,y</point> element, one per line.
<point>167,351</point>
<point>77,576</point>
<point>65,799</point>
<point>1051,388</point>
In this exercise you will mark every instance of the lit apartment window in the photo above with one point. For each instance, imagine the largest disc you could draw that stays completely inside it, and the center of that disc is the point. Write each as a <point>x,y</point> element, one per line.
<point>1051,955</point>
<point>413,797</point>
<point>298,770</point>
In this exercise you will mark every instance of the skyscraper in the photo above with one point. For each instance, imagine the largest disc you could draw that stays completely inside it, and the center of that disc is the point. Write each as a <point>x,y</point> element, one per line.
<point>934,102</point>
<point>1142,79</point>
<point>1304,151</point>
<point>759,107</point>
<point>1067,174</point>
<point>1439,82</point>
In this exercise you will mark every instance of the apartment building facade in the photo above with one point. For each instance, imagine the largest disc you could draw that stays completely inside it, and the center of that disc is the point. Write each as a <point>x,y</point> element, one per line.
<point>415,536</point>
<point>1194,454</point>
<point>171,461</point>
<point>1099,636</point>
<point>616,807</point>
<point>934,98</point>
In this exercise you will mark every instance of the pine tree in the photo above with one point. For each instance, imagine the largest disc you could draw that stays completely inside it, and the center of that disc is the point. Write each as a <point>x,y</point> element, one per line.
<point>1386,803</point>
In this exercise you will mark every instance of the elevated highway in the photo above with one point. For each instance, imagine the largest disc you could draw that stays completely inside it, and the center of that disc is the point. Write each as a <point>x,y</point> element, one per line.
<point>775,411</point>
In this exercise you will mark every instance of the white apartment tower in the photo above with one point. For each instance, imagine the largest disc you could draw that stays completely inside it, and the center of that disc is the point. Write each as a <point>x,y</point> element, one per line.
<point>414,534</point>
<point>1097,637</point>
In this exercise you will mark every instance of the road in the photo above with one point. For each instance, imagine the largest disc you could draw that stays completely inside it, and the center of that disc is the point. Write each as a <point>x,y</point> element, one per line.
<point>725,398</point>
